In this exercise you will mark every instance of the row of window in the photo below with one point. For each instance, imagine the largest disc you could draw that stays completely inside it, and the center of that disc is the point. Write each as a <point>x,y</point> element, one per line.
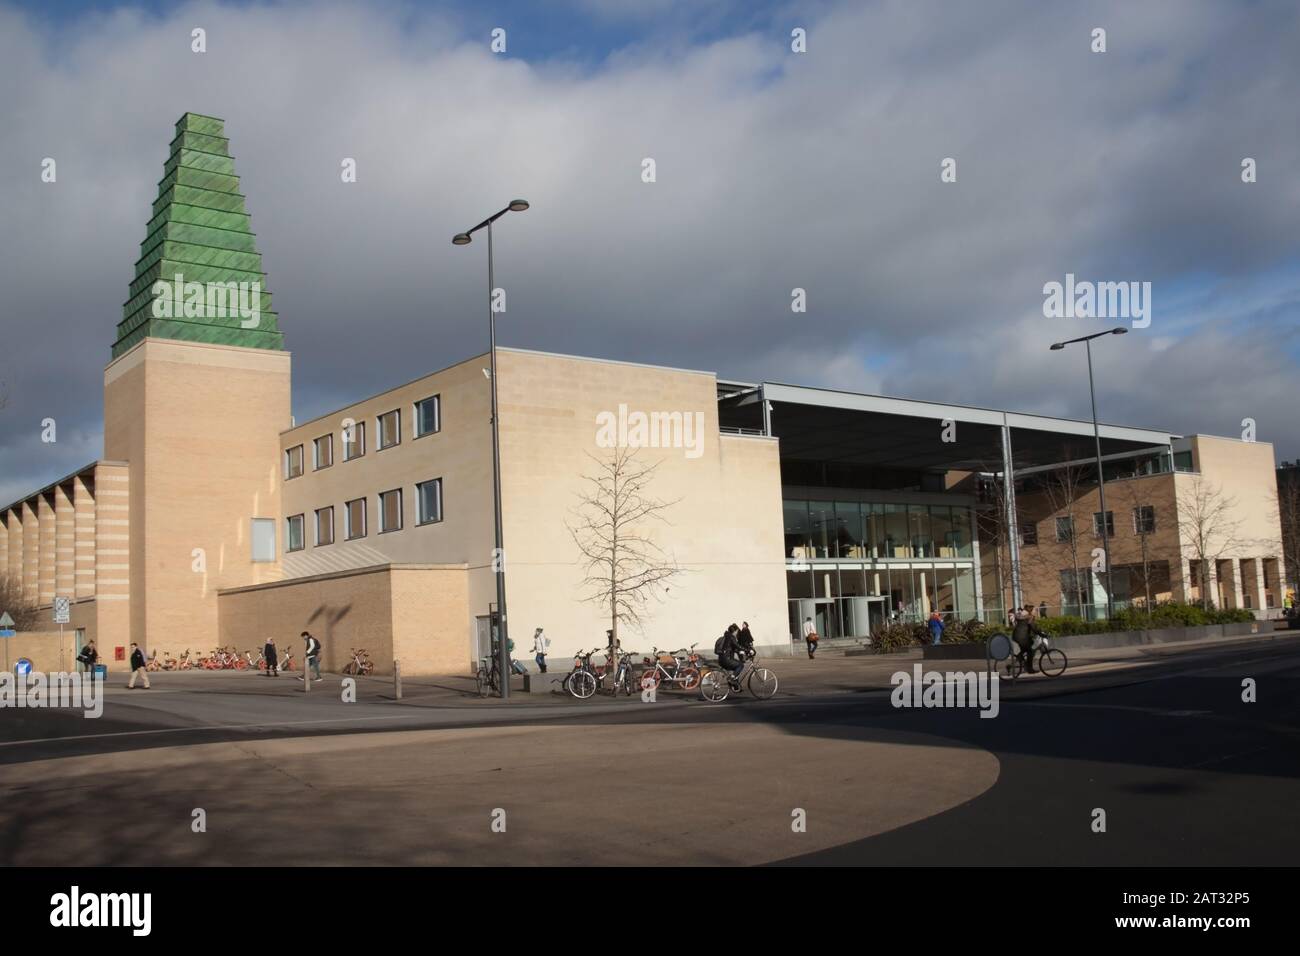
<point>428,500</point>
<point>861,529</point>
<point>1144,522</point>
<point>388,426</point>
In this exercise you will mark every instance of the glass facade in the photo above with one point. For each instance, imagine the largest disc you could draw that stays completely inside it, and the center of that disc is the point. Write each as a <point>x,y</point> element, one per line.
<point>855,565</point>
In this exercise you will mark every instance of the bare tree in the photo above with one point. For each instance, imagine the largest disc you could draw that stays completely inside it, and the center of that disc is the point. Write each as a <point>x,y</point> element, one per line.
<point>624,568</point>
<point>1061,489</point>
<point>1129,494</point>
<point>1207,528</point>
<point>20,605</point>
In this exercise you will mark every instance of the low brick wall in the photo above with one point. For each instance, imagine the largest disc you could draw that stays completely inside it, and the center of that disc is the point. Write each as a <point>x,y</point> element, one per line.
<point>47,651</point>
<point>416,613</point>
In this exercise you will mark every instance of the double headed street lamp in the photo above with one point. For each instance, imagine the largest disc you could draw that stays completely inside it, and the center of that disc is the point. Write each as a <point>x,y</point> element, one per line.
<point>498,555</point>
<point>1096,434</point>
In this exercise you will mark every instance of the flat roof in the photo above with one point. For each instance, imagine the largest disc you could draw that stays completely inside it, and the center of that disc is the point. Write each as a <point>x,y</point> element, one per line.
<point>830,425</point>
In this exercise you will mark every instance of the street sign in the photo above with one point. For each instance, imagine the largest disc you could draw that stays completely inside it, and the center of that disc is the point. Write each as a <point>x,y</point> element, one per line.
<point>6,620</point>
<point>7,632</point>
<point>62,611</point>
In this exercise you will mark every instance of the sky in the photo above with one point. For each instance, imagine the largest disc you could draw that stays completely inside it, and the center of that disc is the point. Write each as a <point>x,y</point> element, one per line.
<point>775,170</point>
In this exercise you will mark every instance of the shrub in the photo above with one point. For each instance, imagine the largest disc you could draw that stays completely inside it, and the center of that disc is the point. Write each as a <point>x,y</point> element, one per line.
<point>895,636</point>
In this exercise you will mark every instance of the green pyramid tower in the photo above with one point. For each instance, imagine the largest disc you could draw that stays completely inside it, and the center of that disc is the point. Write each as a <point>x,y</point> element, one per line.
<point>200,232</point>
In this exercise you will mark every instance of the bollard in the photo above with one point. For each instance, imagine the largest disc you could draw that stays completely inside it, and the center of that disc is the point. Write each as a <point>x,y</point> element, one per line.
<point>397,679</point>
<point>306,674</point>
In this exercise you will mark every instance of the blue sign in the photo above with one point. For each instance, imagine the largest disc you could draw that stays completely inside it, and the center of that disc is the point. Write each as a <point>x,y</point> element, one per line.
<point>7,632</point>
<point>23,667</point>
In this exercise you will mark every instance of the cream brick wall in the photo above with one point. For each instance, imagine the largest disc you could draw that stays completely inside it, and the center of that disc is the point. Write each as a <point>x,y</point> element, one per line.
<point>725,529</point>
<point>199,425</point>
<point>415,613</point>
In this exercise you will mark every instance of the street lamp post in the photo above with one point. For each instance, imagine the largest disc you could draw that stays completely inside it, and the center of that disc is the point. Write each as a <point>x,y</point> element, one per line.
<point>498,555</point>
<point>1096,435</point>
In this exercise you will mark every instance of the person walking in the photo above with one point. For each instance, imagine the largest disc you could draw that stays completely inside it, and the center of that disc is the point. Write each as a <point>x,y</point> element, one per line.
<point>810,636</point>
<point>313,657</point>
<point>137,668</point>
<point>936,628</point>
<point>271,658</point>
<point>540,645</point>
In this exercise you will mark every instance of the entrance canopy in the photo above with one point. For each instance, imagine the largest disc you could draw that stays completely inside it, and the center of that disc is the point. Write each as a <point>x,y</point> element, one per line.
<point>848,428</point>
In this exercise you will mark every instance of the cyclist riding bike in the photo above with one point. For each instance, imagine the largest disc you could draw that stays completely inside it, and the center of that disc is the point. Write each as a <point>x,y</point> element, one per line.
<point>1023,634</point>
<point>730,655</point>
<point>746,640</point>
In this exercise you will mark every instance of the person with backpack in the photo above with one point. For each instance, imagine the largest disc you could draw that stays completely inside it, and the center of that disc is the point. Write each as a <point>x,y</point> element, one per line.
<point>137,668</point>
<point>313,656</point>
<point>727,648</point>
<point>271,658</point>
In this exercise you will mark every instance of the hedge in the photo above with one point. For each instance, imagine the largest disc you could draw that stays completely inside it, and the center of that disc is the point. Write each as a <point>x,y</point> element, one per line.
<point>894,636</point>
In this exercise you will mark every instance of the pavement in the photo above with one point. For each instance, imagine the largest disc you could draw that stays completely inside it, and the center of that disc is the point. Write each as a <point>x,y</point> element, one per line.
<point>1158,736</point>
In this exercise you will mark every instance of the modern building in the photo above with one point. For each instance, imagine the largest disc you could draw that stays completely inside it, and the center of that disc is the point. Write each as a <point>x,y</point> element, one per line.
<point>215,519</point>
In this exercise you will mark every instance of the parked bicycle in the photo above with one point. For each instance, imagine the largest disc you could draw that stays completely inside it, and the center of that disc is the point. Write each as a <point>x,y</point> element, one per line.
<point>585,678</point>
<point>360,663</point>
<point>680,667</point>
<point>488,677</point>
<point>717,684</point>
<point>1048,660</point>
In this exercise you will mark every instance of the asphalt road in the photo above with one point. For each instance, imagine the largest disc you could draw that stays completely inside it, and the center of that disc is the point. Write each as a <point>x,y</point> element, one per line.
<point>1185,771</point>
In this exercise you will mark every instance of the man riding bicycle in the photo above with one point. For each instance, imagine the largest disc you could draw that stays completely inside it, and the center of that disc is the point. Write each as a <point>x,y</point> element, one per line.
<point>1023,634</point>
<point>730,655</point>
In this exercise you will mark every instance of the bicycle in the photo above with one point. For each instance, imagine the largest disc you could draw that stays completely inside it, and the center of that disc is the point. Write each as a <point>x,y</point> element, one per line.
<point>488,677</point>
<point>360,663</point>
<point>1049,661</point>
<point>717,684</point>
<point>674,669</point>
<point>583,681</point>
<point>623,678</point>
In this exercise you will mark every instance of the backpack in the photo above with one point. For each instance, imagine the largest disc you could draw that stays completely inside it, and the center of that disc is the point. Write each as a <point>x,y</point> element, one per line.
<point>722,645</point>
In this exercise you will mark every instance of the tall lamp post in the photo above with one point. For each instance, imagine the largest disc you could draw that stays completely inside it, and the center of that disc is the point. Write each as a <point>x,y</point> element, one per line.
<point>1096,434</point>
<point>498,562</point>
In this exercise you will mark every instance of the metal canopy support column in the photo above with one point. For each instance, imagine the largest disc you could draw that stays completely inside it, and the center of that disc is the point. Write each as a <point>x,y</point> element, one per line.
<point>767,410</point>
<point>1013,526</point>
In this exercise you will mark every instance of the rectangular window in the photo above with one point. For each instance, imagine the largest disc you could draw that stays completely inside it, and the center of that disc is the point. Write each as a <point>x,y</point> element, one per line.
<point>1144,519</point>
<point>428,416</point>
<point>293,462</point>
<point>324,451</point>
<point>263,538</point>
<point>354,440</point>
<point>1064,529</point>
<point>355,518</point>
<point>324,526</point>
<point>390,510</point>
<point>294,533</point>
<point>429,496</point>
<point>390,429</point>
<point>1028,532</point>
<point>1110,524</point>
